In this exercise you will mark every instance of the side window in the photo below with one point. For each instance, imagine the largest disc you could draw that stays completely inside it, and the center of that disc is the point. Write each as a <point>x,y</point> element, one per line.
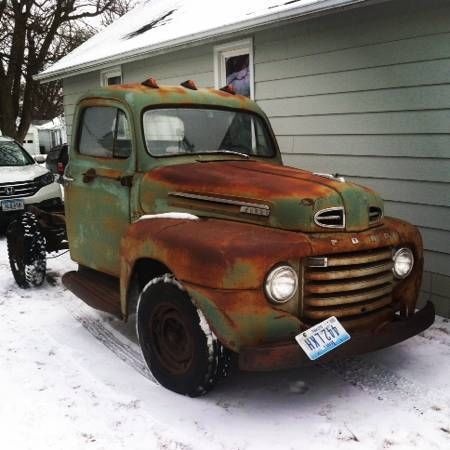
<point>104,133</point>
<point>122,144</point>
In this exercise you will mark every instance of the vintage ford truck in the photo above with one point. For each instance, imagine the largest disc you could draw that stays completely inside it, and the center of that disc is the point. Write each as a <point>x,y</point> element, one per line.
<point>178,208</point>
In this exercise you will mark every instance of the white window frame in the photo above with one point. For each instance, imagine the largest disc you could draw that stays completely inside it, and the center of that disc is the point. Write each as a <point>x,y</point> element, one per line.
<point>110,73</point>
<point>221,52</point>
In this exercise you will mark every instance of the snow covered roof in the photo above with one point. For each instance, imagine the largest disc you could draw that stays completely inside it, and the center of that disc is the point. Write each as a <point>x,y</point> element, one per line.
<point>54,124</point>
<point>164,25</point>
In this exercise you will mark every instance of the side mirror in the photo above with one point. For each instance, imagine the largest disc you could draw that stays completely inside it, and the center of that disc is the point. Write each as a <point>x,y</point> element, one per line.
<point>40,159</point>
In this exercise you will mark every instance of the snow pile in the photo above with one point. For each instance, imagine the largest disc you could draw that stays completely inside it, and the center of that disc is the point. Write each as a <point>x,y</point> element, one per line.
<point>72,378</point>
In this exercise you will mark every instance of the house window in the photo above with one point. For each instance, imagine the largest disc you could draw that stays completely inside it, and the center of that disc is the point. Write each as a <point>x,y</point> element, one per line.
<point>233,64</point>
<point>111,76</point>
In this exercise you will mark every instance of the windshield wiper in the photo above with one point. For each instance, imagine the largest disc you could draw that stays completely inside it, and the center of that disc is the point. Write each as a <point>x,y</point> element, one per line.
<point>226,152</point>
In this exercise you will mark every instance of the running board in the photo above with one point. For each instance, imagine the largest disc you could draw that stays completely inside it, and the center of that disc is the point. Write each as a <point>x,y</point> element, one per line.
<point>98,290</point>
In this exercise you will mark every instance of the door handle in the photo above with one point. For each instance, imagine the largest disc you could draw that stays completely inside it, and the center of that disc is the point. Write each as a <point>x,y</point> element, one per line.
<point>89,176</point>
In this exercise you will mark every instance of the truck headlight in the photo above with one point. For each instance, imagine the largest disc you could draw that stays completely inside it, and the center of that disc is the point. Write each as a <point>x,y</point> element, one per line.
<point>403,262</point>
<point>281,284</point>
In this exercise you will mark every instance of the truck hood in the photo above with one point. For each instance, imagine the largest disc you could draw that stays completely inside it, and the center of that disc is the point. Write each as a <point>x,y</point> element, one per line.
<point>257,192</point>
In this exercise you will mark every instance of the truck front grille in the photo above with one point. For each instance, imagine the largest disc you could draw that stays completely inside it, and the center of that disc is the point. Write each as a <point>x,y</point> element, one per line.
<point>18,190</point>
<point>354,287</point>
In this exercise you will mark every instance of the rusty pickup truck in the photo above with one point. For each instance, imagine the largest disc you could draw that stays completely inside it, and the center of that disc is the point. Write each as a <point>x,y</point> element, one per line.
<point>178,209</point>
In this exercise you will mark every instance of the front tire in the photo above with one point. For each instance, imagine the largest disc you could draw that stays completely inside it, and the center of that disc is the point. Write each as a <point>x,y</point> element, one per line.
<point>26,251</point>
<point>181,351</point>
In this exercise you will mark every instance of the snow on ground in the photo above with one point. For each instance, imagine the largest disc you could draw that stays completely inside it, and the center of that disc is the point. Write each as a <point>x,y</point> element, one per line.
<point>72,378</point>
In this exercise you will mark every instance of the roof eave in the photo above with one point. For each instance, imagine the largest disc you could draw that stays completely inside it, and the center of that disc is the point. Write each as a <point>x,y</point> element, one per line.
<point>244,27</point>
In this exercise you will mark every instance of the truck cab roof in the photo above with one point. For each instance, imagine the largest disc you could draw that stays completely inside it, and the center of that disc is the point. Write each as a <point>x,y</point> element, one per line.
<point>146,94</point>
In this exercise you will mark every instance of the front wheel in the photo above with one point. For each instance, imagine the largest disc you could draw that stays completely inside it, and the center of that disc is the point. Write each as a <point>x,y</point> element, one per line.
<point>181,351</point>
<point>26,251</point>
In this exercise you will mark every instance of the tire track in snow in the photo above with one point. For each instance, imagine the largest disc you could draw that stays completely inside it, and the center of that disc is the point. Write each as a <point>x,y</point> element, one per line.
<point>377,381</point>
<point>386,385</point>
<point>109,337</point>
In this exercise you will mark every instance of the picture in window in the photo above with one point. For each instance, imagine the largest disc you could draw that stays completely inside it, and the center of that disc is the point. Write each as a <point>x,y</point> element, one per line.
<point>238,73</point>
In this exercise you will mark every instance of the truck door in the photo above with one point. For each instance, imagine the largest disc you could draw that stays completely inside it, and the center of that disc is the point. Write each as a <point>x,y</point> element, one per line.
<point>98,183</point>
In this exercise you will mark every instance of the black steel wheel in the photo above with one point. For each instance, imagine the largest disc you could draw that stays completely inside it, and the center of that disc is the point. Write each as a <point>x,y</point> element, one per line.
<point>26,251</point>
<point>180,350</point>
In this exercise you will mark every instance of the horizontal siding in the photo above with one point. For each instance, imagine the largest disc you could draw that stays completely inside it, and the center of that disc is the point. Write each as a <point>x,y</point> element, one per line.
<point>387,22</point>
<point>73,88</point>
<point>407,122</point>
<point>366,94</point>
<point>415,98</point>
<point>406,146</point>
<point>424,48</point>
<point>205,80</point>
<point>81,83</point>
<point>437,241</point>
<point>406,191</point>
<point>370,79</point>
<point>174,68</point>
<point>395,168</point>
<point>437,263</point>
<point>426,216</point>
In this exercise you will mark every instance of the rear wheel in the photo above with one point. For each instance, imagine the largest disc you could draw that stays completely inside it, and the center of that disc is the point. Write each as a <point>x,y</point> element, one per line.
<point>26,251</point>
<point>181,351</point>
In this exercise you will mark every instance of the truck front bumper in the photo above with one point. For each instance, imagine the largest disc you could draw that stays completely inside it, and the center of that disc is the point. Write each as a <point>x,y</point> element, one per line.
<point>289,354</point>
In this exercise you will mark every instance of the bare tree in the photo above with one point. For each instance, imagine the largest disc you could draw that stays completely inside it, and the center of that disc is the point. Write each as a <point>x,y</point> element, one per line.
<point>33,34</point>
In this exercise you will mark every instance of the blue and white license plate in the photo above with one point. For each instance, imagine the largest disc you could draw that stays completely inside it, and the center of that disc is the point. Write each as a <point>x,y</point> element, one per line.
<point>12,205</point>
<point>322,338</point>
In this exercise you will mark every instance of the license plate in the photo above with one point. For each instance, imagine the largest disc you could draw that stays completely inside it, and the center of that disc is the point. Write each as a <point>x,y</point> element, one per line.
<point>322,338</point>
<point>12,205</point>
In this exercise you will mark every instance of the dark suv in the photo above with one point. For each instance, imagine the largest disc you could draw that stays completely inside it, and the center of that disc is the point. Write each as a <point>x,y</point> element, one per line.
<point>57,159</point>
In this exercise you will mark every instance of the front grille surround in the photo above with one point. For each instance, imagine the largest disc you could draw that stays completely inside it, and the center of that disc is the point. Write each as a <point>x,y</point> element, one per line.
<point>20,189</point>
<point>355,287</point>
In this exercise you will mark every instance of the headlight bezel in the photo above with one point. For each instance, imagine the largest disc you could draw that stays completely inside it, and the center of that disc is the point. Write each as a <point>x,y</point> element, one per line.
<point>398,253</point>
<point>270,279</point>
<point>45,180</point>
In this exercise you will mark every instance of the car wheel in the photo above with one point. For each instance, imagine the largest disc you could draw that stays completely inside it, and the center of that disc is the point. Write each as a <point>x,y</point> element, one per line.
<point>181,351</point>
<point>26,251</point>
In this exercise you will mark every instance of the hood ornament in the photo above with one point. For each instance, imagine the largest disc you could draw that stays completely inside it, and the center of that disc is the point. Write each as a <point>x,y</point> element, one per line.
<point>335,177</point>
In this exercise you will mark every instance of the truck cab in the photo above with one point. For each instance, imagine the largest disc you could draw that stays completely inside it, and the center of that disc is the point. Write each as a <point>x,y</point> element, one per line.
<point>178,209</point>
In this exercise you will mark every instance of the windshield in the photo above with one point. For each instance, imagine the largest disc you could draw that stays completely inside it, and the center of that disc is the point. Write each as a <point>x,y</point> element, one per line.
<point>12,154</point>
<point>179,131</point>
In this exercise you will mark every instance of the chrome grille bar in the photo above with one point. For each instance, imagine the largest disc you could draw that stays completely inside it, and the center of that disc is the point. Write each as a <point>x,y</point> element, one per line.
<point>351,286</point>
<point>21,189</point>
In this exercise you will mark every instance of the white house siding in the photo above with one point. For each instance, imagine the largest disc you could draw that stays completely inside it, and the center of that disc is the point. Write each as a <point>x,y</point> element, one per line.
<point>74,87</point>
<point>365,93</point>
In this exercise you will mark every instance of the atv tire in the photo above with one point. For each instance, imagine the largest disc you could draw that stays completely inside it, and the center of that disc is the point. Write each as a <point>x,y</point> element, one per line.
<point>26,251</point>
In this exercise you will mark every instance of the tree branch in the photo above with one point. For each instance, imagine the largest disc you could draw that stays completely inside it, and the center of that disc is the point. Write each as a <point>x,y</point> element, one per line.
<point>34,33</point>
